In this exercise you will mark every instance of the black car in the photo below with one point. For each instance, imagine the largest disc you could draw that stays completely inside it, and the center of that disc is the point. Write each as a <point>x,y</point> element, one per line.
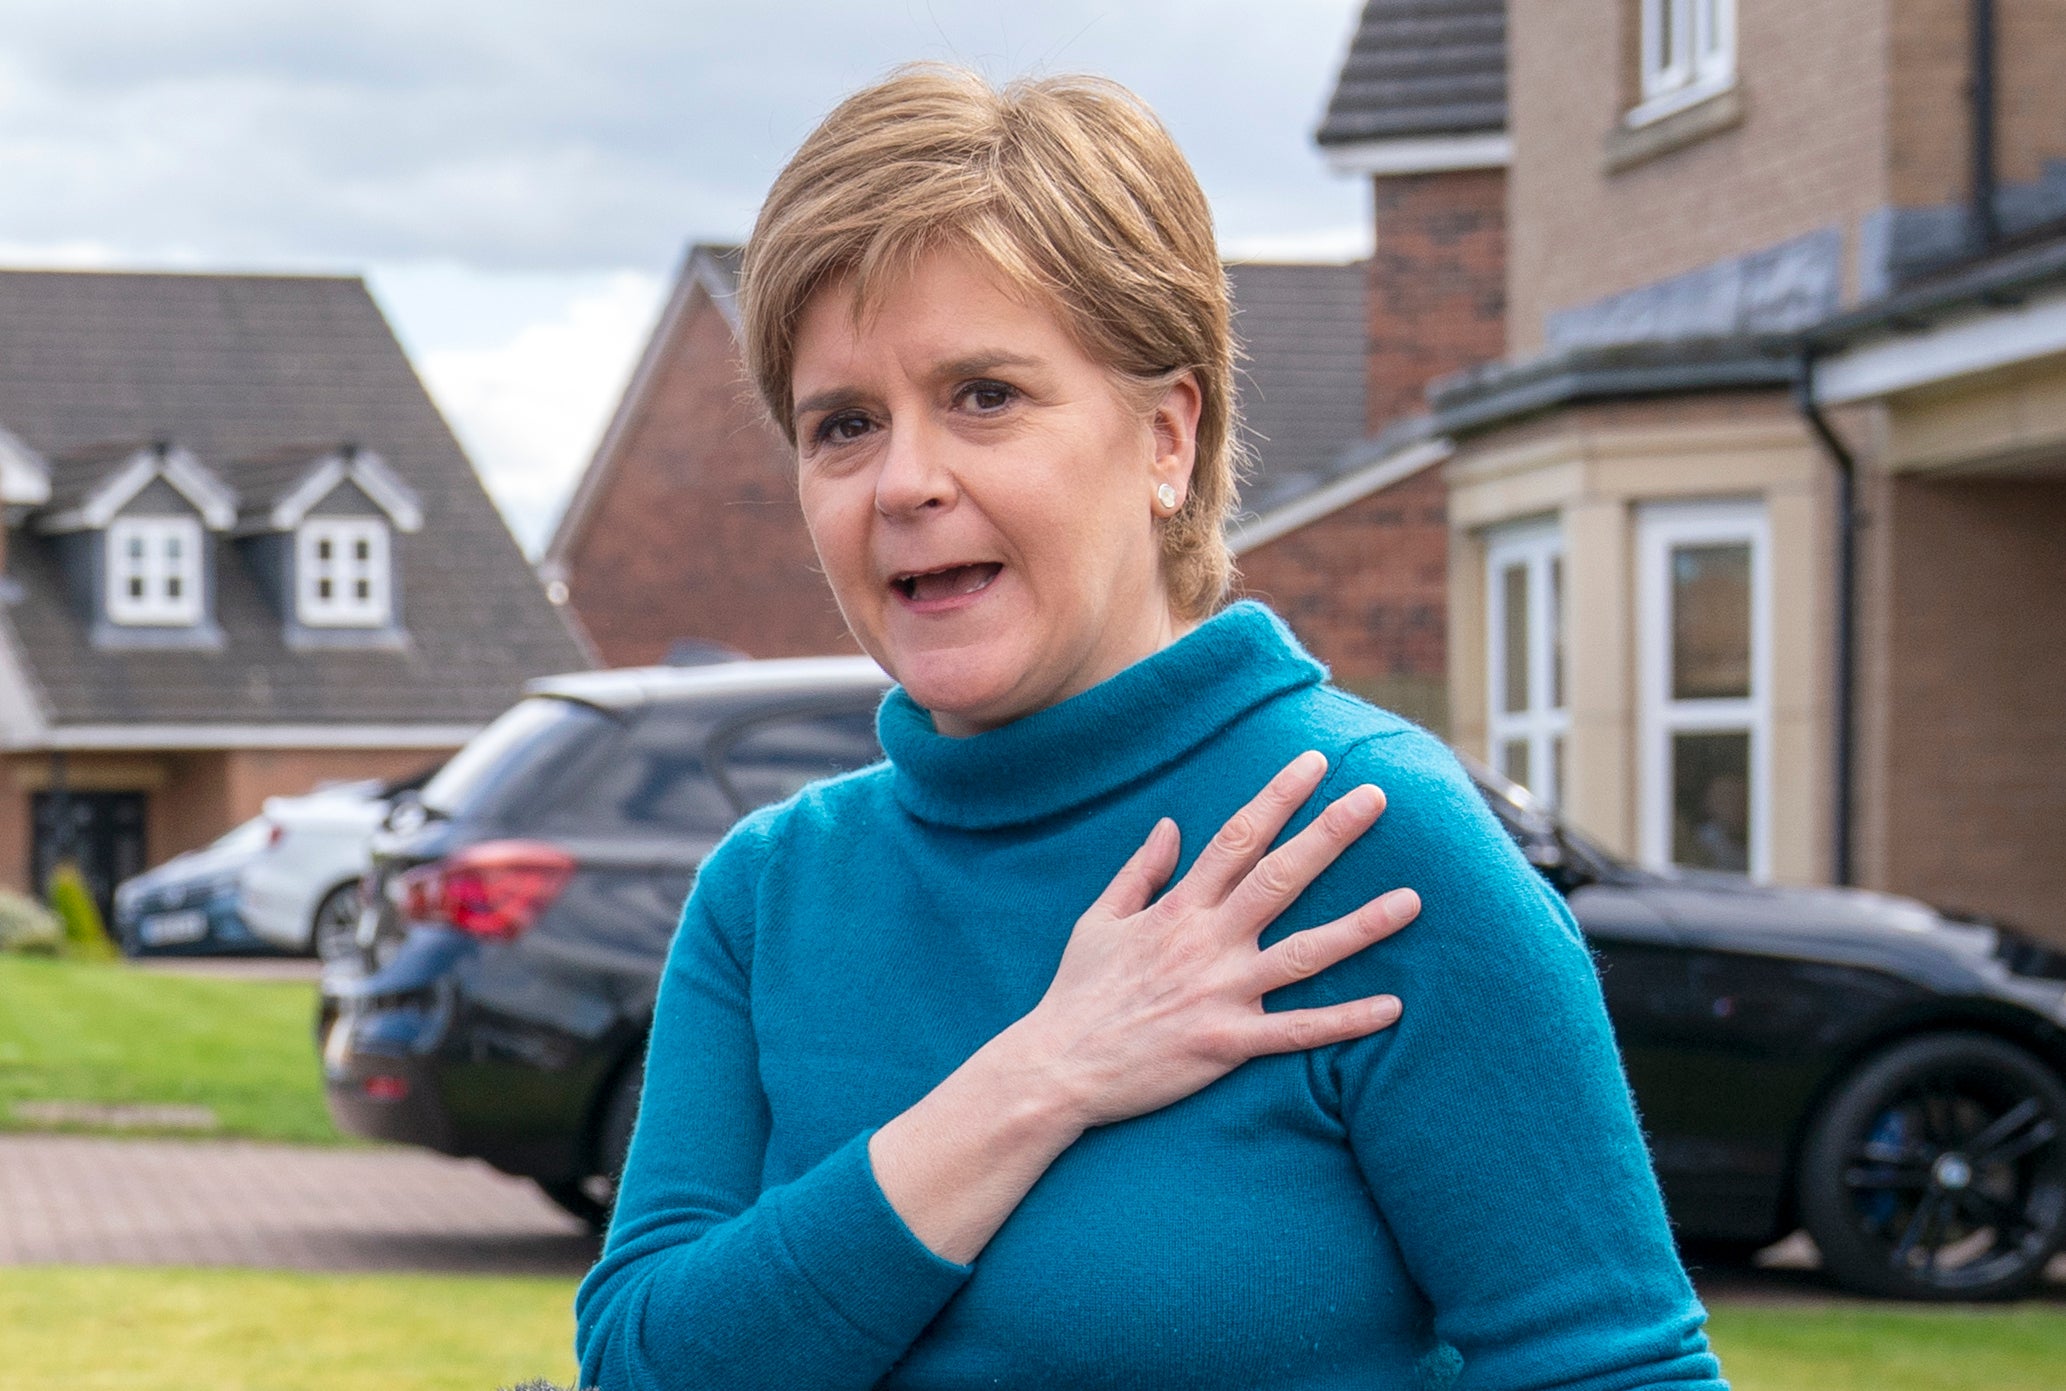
<point>1861,1065</point>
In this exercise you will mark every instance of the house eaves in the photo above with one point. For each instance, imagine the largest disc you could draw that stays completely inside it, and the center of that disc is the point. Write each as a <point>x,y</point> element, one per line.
<point>24,474</point>
<point>362,467</point>
<point>1422,89</point>
<point>1977,318</point>
<point>1498,394</point>
<point>186,475</point>
<point>1381,464</point>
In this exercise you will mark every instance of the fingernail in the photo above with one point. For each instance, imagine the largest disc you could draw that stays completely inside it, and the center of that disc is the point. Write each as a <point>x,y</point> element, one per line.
<point>1365,800</point>
<point>1312,761</point>
<point>1386,1008</point>
<point>1400,905</point>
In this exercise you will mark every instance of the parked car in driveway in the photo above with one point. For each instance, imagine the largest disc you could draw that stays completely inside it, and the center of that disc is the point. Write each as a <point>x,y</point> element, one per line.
<point>302,893</point>
<point>188,905</point>
<point>1882,1073</point>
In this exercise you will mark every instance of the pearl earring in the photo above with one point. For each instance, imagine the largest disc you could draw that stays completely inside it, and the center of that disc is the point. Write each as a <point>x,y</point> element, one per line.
<point>1166,495</point>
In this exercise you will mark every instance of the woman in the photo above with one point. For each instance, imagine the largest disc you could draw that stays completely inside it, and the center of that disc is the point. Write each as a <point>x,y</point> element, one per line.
<point>905,1125</point>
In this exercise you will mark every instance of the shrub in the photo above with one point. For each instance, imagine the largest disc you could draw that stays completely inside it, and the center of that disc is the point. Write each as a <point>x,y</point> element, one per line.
<point>86,936</point>
<point>27,927</point>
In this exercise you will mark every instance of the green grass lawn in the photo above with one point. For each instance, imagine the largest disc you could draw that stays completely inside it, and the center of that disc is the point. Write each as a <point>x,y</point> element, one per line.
<point>78,1031</point>
<point>1858,1347</point>
<point>239,1330</point>
<point>127,1329</point>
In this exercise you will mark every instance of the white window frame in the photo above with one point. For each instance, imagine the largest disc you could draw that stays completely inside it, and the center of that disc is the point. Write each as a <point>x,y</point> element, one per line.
<point>1661,528</point>
<point>342,608</point>
<point>157,570</point>
<point>1701,60</point>
<point>1535,546</point>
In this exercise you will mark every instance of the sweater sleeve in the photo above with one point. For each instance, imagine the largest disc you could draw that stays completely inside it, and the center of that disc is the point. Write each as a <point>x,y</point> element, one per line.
<point>705,1279</point>
<point>1493,1123</point>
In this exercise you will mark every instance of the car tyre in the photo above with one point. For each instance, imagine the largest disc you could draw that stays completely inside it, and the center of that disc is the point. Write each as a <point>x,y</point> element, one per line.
<point>1937,1171</point>
<point>590,1198</point>
<point>334,927</point>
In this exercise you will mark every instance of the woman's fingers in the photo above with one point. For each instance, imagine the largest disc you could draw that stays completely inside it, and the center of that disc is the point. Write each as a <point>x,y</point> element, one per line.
<point>1144,872</point>
<point>1234,850</point>
<point>1308,953</point>
<point>1284,873</point>
<point>1296,1030</point>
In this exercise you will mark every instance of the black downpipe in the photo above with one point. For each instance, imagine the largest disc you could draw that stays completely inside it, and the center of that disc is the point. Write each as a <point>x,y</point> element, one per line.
<point>1986,222</point>
<point>1846,616</point>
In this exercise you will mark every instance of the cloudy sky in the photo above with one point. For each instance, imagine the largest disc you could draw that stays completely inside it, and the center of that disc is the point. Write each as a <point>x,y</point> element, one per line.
<point>517,179</point>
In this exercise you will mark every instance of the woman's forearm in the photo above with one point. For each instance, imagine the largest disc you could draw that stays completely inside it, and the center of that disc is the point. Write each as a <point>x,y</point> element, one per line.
<point>958,1162</point>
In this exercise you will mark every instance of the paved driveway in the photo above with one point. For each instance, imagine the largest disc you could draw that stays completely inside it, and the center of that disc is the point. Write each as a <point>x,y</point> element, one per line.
<point>79,1200</point>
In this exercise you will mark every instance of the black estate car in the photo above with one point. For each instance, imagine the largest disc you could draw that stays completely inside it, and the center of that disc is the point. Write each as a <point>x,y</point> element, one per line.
<point>1881,1073</point>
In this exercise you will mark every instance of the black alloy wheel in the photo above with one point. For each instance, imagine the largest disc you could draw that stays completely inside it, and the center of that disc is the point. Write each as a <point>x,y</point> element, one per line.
<point>1938,1171</point>
<point>334,930</point>
<point>591,1197</point>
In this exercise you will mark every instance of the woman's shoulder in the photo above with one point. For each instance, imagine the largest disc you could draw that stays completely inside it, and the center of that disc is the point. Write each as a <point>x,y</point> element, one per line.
<point>1434,814</point>
<point>1362,740</point>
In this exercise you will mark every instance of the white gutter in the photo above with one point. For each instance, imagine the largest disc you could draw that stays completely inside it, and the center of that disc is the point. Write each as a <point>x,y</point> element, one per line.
<point>1424,154</point>
<point>1354,487</point>
<point>1978,343</point>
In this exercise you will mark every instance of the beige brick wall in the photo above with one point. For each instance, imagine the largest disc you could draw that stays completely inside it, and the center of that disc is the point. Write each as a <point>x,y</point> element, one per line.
<point>1809,152</point>
<point>1930,56</point>
<point>1965,726</point>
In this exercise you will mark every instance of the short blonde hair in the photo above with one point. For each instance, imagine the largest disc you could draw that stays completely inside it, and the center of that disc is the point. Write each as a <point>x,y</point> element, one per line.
<point>1077,195</point>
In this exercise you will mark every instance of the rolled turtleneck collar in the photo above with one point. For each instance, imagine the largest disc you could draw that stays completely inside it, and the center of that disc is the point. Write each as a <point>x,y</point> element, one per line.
<point>1146,717</point>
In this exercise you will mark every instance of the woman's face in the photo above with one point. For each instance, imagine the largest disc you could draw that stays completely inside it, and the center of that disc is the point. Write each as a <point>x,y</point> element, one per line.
<point>982,493</point>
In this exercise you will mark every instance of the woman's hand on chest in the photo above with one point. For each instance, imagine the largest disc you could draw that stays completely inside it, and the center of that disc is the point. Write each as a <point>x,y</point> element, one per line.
<point>1155,999</point>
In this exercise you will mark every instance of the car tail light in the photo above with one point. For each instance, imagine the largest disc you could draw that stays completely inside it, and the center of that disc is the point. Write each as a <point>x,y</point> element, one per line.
<point>496,889</point>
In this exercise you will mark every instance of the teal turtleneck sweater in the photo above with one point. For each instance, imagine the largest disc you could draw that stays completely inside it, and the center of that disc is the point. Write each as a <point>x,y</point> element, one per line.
<point>1462,1198</point>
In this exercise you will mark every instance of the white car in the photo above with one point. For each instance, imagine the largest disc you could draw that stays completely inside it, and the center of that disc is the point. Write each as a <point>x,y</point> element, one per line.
<point>302,892</point>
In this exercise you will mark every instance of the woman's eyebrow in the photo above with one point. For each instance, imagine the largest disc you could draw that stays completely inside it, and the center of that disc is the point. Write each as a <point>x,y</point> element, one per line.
<point>830,399</point>
<point>976,364</point>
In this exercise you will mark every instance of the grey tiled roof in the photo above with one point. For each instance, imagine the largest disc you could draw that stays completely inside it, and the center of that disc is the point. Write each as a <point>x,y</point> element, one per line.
<point>238,367</point>
<point>1421,67</point>
<point>1301,388</point>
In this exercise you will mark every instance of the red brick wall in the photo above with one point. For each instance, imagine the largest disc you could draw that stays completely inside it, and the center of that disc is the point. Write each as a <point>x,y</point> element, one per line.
<point>1437,291</point>
<point>1365,588</point>
<point>696,532</point>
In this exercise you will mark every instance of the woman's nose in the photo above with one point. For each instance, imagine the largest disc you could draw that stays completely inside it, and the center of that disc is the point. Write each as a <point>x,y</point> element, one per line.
<point>914,476</point>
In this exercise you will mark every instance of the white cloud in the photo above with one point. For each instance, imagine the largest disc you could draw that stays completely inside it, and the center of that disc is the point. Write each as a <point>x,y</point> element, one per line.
<point>530,409</point>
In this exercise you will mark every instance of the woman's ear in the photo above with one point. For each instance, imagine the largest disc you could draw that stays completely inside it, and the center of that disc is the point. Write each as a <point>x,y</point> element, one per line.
<point>1175,427</point>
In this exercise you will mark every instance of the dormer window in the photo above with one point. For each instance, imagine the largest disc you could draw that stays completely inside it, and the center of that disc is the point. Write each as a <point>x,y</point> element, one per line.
<point>154,571</point>
<point>342,574</point>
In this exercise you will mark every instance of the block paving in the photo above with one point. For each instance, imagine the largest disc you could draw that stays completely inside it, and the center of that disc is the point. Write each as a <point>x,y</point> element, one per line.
<point>85,1200</point>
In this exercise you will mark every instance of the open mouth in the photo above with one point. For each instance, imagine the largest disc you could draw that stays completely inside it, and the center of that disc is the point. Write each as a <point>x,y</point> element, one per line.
<point>948,582</point>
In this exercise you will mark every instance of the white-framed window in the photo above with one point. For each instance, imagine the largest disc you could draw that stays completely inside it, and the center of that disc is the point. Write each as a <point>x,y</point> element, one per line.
<point>1528,719</point>
<point>154,571</point>
<point>341,574</point>
<point>1689,52</point>
<point>1704,600</point>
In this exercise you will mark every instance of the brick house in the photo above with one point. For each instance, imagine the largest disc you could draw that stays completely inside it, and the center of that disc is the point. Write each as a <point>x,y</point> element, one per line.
<point>243,553</point>
<point>685,532</point>
<point>1358,560</point>
<point>1757,534</point>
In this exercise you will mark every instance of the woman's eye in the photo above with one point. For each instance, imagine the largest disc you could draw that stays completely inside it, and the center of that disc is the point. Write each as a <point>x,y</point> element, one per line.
<point>988,396</point>
<point>842,428</point>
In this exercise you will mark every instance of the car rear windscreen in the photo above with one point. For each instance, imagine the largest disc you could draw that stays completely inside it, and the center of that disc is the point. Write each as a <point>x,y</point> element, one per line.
<point>516,759</point>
